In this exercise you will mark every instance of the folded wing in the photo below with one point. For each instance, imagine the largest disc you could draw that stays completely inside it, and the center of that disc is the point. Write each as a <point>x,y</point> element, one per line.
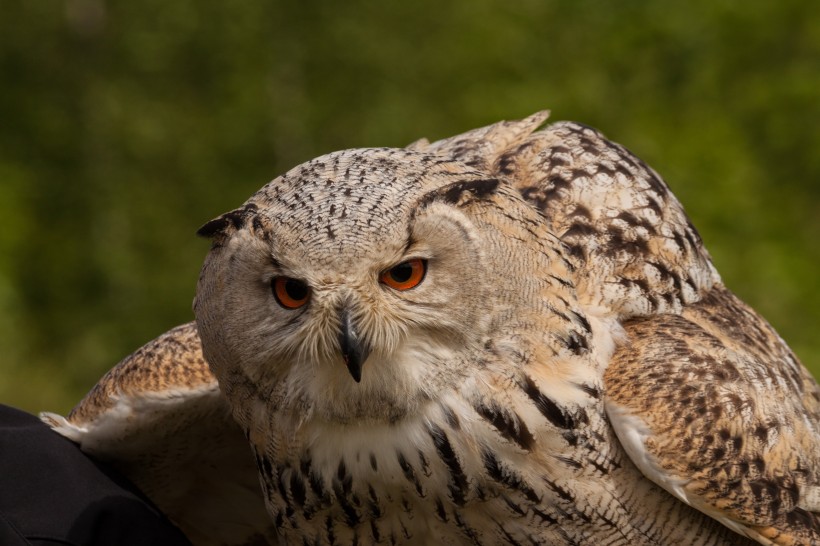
<point>711,405</point>
<point>159,418</point>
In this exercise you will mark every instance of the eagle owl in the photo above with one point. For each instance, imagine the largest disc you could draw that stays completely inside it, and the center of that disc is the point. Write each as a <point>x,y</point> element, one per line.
<point>511,336</point>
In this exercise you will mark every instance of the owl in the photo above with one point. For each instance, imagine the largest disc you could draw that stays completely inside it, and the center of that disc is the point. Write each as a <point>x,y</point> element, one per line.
<point>511,336</point>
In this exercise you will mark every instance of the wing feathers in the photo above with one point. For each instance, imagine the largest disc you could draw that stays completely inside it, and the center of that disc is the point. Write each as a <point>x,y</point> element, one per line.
<point>719,424</point>
<point>160,419</point>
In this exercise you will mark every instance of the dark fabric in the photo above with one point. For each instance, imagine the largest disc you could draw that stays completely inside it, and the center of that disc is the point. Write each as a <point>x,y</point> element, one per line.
<point>51,493</point>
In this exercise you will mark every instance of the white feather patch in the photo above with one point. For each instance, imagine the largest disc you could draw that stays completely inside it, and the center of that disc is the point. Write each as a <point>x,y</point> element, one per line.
<point>632,432</point>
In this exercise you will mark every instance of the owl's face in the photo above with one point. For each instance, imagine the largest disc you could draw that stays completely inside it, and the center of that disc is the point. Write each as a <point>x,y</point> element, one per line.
<point>354,287</point>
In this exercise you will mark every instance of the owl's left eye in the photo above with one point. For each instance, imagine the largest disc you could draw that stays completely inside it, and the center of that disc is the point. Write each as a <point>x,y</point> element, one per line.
<point>290,293</point>
<point>406,275</point>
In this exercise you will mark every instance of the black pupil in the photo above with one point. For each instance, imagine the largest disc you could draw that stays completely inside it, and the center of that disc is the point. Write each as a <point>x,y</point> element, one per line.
<point>296,290</point>
<point>402,272</point>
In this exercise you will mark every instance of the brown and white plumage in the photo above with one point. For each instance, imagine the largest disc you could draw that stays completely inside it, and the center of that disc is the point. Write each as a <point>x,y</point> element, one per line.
<point>695,396</point>
<point>568,370</point>
<point>704,383</point>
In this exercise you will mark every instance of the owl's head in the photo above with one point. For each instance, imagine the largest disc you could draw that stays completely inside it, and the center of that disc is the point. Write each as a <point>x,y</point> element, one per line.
<point>359,284</point>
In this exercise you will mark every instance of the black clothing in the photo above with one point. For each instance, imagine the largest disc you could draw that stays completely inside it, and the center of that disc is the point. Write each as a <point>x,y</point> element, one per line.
<point>53,494</point>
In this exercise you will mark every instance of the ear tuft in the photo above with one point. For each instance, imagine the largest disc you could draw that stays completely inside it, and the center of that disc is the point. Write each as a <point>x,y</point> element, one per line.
<point>481,147</point>
<point>230,221</point>
<point>418,145</point>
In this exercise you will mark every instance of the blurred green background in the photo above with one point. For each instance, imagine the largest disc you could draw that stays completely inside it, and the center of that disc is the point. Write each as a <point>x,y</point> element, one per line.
<point>126,125</point>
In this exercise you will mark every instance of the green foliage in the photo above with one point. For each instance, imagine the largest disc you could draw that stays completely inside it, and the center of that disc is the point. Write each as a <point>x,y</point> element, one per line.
<point>126,125</point>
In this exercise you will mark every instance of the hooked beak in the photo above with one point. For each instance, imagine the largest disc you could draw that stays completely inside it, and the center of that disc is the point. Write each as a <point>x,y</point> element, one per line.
<point>354,350</point>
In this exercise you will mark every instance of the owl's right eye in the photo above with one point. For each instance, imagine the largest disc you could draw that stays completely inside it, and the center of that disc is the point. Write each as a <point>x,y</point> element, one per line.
<point>290,293</point>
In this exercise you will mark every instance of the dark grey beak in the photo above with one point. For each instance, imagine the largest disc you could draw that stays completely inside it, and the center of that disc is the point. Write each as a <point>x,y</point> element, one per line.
<point>354,350</point>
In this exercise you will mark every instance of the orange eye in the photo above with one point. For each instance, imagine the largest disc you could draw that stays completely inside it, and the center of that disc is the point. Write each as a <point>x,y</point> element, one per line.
<point>406,275</point>
<point>290,293</point>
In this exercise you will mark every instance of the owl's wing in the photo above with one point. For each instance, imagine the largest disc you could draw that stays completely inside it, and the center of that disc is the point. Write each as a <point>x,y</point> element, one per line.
<point>712,406</point>
<point>159,418</point>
